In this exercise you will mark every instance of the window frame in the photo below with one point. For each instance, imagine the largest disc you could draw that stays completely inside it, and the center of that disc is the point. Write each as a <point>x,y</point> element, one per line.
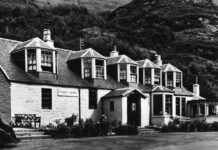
<point>46,59</point>
<point>178,79</point>
<point>100,69</point>
<point>133,74</point>
<point>123,72</point>
<point>158,109</point>
<point>178,106</point>
<point>87,67</point>
<point>147,76</point>
<point>169,82</point>
<point>93,98</point>
<point>157,76</point>
<point>31,57</point>
<point>168,104</point>
<point>46,100</point>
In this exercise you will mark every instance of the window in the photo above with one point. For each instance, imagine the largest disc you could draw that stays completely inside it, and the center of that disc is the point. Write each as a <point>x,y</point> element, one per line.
<point>183,106</point>
<point>46,99</point>
<point>99,69</point>
<point>178,79</point>
<point>31,54</point>
<point>158,105</point>
<point>87,68</point>
<point>147,76</point>
<point>123,72</point>
<point>46,61</point>
<point>169,79</point>
<point>168,104</point>
<point>92,99</point>
<point>163,79</point>
<point>133,106</point>
<point>178,106</point>
<point>133,74</point>
<point>111,105</point>
<point>157,76</point>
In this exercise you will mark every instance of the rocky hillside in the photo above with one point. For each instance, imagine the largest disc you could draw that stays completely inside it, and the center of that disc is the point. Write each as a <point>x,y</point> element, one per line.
<point>183,31</point>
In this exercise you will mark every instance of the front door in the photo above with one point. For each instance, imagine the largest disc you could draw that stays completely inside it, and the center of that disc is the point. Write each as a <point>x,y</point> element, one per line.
<point>133,110</point>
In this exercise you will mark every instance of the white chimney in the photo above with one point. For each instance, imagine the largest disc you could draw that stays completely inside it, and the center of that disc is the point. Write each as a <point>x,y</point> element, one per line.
<point>47,37</point>
<point>196,89</point>
<point>114,53</point>
<point>158,60</point>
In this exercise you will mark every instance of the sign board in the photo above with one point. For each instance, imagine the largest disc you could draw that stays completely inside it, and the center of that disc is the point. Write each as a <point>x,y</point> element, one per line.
<point>68,92</point>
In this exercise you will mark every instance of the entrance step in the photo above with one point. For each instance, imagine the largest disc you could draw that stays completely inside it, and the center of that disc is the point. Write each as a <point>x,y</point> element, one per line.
<point>146,130</point>
<point>30,134</point>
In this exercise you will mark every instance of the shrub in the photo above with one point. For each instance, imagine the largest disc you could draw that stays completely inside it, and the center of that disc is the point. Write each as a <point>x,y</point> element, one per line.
<point>184,126</point>
<point>71,120</point>
<point>214,126</point>
<point>90,128</point>
<point>164,129</point>
<point>126,130</point>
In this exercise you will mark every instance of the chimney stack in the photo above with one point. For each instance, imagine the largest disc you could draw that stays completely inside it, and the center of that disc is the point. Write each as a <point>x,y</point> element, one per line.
<point>196,89</point>
<point>158,60</point>
<point>114,53</point>
<point>47,37</point>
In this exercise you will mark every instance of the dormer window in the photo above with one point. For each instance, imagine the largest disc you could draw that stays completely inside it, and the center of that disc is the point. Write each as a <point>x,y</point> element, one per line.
<point>169,79</point>
<point>31,60</point>
<point>157,76</point>
<point>147,76</point>
<point>178,79</point>
<point>133,73</point>
<point>87,68</point>
<point>99,68</point>
<point>123,73</point>
<point>46,61</point>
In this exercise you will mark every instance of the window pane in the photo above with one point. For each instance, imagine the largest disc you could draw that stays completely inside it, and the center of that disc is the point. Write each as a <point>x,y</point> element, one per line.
<point>87,68</point>
<point>31,59</point>
<point>183,106</point>
<point>123,72</point>
<point>133,74</point>
<point>99,69</point>
<point>169,79</point>
<point>147,76</point>
<point>158,105</point>
<point>46,61</point>
<point>46,99</point>
<point>168,104</point>
<point>178,79</point>
<point>92,99</point>
<point>157,76</point>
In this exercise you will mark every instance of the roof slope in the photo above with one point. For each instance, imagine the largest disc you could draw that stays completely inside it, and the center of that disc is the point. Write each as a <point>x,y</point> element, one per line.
<point>32,43</point>
<point>87,53</point>
<point>121,59</point>
<point>169,68</point>
<point>182,91</point>
<point>146,63</point>
<point>160,88</point>
<point>65,76</point>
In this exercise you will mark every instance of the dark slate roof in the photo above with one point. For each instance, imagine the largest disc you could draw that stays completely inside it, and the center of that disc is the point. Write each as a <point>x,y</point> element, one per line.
<point>122,92</point>
<point>182,91</point>
<point>121,59</point>
<point>32,43</point>
<point>65,76</point>
<point>169,68</point>
<point>146,63</point>
<point>87,53</point>
<point>160,88</point>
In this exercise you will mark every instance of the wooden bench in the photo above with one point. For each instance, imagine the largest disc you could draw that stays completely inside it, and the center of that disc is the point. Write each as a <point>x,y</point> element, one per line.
<point>27,120</point>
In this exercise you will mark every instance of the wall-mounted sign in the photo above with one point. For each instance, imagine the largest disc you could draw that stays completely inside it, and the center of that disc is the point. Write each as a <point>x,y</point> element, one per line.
<point>68,92</point>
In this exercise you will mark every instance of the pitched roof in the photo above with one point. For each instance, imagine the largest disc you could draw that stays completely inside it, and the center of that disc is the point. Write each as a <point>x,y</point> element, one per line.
<point>121,59</point>
<point>86,53</point>
<point>195,97</point>
<point>146,63</point>
<point>182,91</point>
<point>65,76</point>
<point>32,43</point>
<point>169,68</point>
<point>160,88</point>
<point>122,92</point>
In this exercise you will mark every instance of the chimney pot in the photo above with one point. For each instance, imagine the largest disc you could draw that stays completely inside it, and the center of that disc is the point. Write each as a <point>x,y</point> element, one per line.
<point>114,53</point>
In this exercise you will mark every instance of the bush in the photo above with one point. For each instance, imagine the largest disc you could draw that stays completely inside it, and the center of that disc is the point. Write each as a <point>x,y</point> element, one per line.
<point>71,120</point>
<point>184,126</point>
<point>126,130</point>
<point>214,126</point>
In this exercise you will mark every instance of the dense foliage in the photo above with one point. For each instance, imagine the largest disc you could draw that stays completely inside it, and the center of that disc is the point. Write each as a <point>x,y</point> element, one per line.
<point>183,32</point>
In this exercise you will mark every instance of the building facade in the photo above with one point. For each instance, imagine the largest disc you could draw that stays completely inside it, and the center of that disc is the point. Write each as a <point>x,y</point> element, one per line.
<point>38,78</point>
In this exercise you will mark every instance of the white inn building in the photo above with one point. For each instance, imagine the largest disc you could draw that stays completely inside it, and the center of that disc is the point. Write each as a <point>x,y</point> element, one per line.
<point>54,83</point>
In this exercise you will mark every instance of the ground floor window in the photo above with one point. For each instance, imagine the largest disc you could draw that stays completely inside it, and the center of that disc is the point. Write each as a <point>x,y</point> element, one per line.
<point>183,106</point>
<point>93,99</point>
<point>158,105</point>
<point>46,98</point>
<point>168,104</point>
<point>178,106</point>
<point>111,105</point>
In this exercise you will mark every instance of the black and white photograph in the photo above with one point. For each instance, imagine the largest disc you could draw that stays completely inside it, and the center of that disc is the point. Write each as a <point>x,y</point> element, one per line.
<point>109,74</point>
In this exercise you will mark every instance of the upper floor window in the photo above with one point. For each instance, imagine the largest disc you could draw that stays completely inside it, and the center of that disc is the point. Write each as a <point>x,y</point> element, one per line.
<point>99,68</point>
<point>147,76</point>
<point>169,79</point>
<point>133,74</point>
<point>157,76</point>
<point>123,72</point>
<point>178,79</point>
<point>31,54</point>
<point>87,68</point>
<point>46,61</point>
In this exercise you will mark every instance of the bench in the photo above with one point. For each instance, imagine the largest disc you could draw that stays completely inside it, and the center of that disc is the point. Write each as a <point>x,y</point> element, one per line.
<point>27,120</point>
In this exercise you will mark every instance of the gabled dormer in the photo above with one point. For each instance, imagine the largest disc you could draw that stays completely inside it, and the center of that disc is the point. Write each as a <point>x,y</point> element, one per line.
<point>149,73</point>
<point>36,55</point>
<point>172,76</point>
<point>88,63</point>
<point>122,68</point>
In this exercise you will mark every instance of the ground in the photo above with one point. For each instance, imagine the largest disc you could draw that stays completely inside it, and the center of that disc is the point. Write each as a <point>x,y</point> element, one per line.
<point>156,141</point>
